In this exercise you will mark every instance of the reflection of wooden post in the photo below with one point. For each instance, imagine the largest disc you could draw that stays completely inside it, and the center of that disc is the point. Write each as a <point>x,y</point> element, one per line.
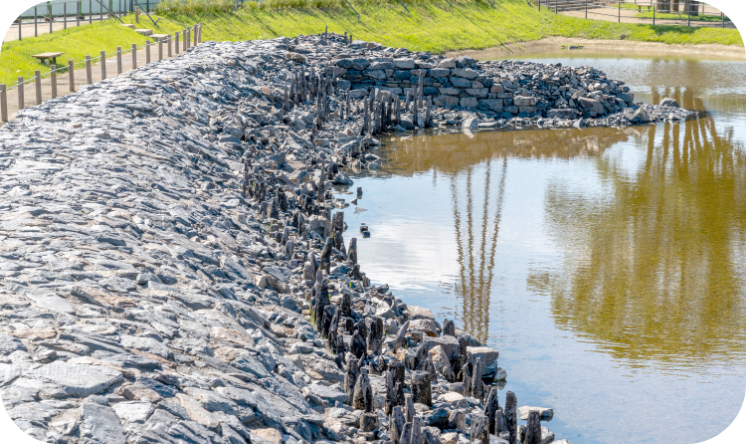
<point>53,76</point>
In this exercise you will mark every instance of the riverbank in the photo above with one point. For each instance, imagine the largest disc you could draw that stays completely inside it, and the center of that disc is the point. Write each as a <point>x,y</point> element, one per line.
<point>466,25</point>
<point>177,269</point>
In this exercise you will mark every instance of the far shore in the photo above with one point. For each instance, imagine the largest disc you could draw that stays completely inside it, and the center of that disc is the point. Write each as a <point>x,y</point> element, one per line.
<point>627,47</point>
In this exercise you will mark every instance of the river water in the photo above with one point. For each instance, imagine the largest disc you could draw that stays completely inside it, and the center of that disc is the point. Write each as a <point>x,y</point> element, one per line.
<point>606,265</point>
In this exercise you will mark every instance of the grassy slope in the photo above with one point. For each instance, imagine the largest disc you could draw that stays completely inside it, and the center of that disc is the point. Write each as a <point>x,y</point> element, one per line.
<point>76,43</point>
<point>434,26</point>
<point>430,26</point>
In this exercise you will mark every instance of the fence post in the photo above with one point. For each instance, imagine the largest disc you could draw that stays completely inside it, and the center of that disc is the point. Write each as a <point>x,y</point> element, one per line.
<point>36,23</point>
<point>64,14</point>
<point>722,18</point>
<point>134,56</point>
<point>4,103</point>
<point>49,10</point>
<point>688,15</point>
<point>37,86</point>
<point>170,43</point>
<point>196,32</point>
<point>90,11</point>
<point>555,6</point>
<point>189,37</point>
<point>654,15</point>
<point>21,101</point>
<point>147,3</point>
<point>119,60</point>
<point>20,23</point>
<point>147,52</point>
<point>103,65</point>
<point>160,49</point>
<point>71,74</point>
<point>53,76</point>
<point>79,13</point>
<point>586,9</point>
<point>88,70</point>
<point>177,42</point>
<point>619,15</point>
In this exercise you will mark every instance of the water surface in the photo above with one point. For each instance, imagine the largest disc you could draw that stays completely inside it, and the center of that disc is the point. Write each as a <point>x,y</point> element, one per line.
<point>606,265</point>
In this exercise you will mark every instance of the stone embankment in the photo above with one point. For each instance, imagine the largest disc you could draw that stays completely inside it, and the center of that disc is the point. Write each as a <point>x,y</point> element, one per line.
<point>172,271</point>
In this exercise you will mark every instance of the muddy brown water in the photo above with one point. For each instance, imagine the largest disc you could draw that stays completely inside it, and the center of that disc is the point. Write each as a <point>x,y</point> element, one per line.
<point>606,265</point>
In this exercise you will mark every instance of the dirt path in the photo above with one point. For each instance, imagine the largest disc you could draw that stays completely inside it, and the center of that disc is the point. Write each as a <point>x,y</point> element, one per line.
<point>27,29</point>
<point>627,47</point>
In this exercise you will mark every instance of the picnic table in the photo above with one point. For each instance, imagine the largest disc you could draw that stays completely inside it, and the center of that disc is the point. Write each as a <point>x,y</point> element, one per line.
<point>48,55</point>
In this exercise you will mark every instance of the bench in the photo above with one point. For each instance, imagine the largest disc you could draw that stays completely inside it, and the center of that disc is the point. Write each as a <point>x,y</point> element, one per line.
<point>639,7</point>
<point>48,55</point>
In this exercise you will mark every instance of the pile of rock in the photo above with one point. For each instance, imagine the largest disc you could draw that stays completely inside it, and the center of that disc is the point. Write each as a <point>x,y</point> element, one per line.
<point>173,271</point>
<point>496,89</point>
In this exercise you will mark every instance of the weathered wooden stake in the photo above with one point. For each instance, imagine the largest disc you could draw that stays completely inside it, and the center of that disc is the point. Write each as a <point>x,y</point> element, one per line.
<point>176,45</point>
<point>37,86</point>
<point>196,35</point>
<point>160,49</point>
<point>21,101</point>
<point>71,74</point>
<point>4,102</point>
<point>88,70</point>
<point>147,52</point>
<point>103,65</point>
<point>53,76</point>
<point>119,60</point>
<point>134,56</point>
<point>169,46</point>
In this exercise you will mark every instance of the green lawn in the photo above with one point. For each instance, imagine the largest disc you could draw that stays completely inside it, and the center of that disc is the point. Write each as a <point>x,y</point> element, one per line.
<point>431,25</point>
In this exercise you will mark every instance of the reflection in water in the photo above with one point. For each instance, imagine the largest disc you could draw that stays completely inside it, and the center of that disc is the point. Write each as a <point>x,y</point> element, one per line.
<point>459,158</point>
<point>605,264</point>
<point>656,267</point>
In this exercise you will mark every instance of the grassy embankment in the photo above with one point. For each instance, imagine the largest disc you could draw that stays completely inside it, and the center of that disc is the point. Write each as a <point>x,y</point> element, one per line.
<point>430,25</point>
<point>648,13</point>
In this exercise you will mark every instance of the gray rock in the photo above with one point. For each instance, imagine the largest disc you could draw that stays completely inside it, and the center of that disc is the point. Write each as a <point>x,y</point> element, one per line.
<point>100,425</point>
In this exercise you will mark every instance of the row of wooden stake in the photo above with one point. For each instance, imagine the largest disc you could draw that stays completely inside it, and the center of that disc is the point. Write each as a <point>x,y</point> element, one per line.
<point>191,36</point>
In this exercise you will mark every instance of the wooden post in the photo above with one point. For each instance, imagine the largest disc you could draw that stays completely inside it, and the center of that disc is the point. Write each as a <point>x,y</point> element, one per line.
<point>103,65</point>
<point>64,14</point>
<point>37,86</point>
<point>200,33</point>
<point>196,32</point>
<point>176,35</point>
<point>160,49</point>
<point>185,38</point>
<point>169,46</point>
<point>619,13</point>
<point>36,25</point>
<point>71,74</point>
<point>119,60</point>
<point>88,70</point>
<point>147,52</point>
<point>49,11</point>
<point>586,9</point>
<point>189,38</point>
<point>4,103</point>
<point>137,14</point>
<point>134,56</point>
<point>53,76</point>
<point>21,101</point>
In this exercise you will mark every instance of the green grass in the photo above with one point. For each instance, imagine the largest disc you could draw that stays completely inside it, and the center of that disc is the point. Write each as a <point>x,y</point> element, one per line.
<point>431,25</point>
<point>76,43</point>
<point>16,56</point>
<point>434,26</point>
